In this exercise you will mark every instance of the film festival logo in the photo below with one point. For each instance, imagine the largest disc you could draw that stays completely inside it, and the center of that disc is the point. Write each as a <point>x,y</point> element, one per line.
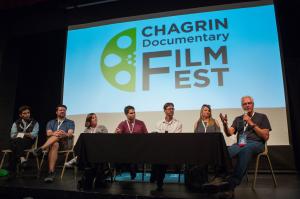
<point>118,60</point>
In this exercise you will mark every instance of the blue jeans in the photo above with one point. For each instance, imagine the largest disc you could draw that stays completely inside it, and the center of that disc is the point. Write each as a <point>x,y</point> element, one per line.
<point>244,155</point>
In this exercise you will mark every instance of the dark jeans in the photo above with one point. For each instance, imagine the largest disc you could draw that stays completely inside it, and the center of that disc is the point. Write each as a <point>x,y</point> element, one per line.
<point>158,172</point>
<point>244,155</point>
<point>132,168</point>
<point>18,145</point>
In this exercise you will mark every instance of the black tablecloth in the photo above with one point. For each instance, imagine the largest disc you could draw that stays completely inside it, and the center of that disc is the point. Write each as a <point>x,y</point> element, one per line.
<point>171,148</point>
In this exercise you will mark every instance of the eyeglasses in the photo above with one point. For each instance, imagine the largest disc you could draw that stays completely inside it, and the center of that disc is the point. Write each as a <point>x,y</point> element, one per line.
<point>247,103</point>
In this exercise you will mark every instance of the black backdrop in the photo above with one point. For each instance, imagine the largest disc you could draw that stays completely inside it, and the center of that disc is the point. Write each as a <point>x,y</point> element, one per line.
<point>32,50</point>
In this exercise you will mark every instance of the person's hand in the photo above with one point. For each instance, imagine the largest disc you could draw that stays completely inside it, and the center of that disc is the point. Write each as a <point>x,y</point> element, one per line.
<point>28,135</point>
<point>118,130</point>
<point>224,119</point>
<point>247,119</point>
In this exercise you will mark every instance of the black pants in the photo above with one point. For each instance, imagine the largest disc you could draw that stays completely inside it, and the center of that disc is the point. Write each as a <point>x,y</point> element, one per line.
<point>132,168</point>
<point>98,172</point>
<point>158,172</point>
<point>18,145</point>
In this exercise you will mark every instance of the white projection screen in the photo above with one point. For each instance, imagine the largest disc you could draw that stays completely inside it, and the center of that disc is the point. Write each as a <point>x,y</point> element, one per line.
<point>212,55</point>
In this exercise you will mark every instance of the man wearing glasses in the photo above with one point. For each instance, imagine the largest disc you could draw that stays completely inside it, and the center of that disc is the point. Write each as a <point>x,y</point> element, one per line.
<point>168,125</point>
<point>252,129</point>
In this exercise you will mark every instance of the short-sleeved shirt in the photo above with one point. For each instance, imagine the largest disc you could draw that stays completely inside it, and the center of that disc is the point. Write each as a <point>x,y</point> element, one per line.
<point>260,119</point>
<point>136,127</point>
<point>173,126</point>
<point>66,125</point>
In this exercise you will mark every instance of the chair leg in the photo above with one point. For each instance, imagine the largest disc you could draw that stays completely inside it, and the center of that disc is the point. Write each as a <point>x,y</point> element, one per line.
<point>143,172</point>
<point>27,155</point>
<point>179,172</point>
<point>273,175</point>
<point>41,164</point>
<point>2,160</point>
<point>64,166</point>
<point>75,168</point>
<point>255,173</point>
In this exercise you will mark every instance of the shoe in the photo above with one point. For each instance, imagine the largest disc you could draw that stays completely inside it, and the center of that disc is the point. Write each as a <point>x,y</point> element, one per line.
<point>50,178</point>
<point>226,194</point>
<point>217,180</point>
<point>215,187</point>
<point>159,188</point>
<point>71,163</point>
<point>23,164</point>
<point>37,152</point>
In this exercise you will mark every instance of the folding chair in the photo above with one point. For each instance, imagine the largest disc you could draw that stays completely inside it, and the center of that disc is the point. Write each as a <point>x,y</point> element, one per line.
<point>66,153</point>
<point>265,153</point>
<point>27,151</point>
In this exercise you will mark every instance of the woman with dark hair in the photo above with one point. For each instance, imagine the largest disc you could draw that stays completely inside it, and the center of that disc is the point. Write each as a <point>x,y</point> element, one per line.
<point>91,124</point>
<point>206,123</point>
<point>94,174</point>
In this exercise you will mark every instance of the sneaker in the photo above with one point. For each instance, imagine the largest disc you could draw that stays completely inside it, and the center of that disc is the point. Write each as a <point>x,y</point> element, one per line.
<point>215,187</point>
<point>71,163</point>
<point>217,180</point>
<point>23,164</point>
<point>50,177</point>
<point>37,152</point>
<point>159,188</point>
<point>226,195</point>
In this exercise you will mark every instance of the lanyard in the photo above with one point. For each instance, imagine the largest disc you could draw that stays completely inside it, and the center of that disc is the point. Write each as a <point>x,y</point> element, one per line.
<point>25,127</point>
<point>59,123</point>
<point>205,126</point>
<point>133,124</point>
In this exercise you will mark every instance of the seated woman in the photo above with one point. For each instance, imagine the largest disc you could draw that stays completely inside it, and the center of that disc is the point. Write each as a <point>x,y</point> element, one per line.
<point>92,172</point>
<point>197,175</point>
<point>91,124</point>
<point>206,123</point>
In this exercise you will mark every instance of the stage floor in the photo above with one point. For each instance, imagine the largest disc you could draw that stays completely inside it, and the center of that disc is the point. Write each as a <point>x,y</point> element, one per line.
<point>31,187</point>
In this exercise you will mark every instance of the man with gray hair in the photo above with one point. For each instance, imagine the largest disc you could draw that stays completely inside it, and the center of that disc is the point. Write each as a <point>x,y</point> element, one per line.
<point>252,129</point>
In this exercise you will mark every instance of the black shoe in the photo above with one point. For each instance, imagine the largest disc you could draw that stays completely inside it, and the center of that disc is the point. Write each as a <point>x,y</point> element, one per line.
<point>23,164</point>
<point>159,188</point>
<point>226,195</point>
<point>50,178</point>
<point>37,152</point>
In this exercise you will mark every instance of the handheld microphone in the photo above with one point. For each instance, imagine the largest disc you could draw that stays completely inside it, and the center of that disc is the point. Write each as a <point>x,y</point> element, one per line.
<point>245,123</point>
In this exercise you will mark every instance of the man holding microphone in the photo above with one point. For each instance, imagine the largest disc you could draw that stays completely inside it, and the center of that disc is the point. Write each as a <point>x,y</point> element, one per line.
<point>252,129</point>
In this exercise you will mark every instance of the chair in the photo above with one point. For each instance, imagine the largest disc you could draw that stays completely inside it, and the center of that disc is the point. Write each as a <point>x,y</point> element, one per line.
<point>66,153</point>
<point>265,153</point>
<point>27,151</point>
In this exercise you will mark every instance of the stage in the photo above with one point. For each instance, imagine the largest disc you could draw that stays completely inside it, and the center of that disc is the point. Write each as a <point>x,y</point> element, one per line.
<point>31,187</point>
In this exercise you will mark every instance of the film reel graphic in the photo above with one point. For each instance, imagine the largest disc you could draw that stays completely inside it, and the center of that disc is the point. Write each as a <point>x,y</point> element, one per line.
<point>118,60</point>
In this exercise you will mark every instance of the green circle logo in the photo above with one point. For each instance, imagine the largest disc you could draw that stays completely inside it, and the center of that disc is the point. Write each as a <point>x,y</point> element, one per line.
<point>118,60</point>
